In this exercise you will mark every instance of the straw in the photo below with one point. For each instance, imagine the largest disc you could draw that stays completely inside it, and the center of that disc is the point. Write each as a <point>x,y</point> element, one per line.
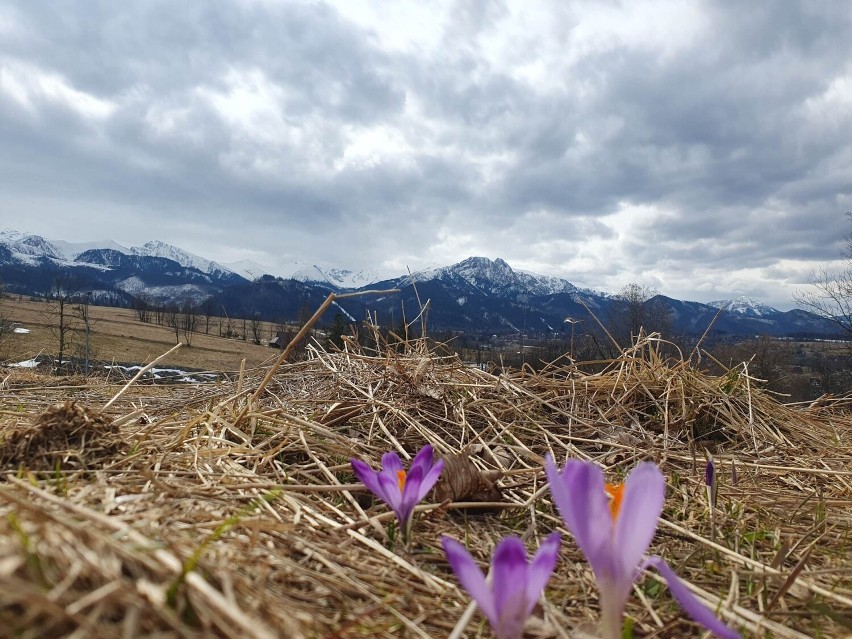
<point>231,510</point>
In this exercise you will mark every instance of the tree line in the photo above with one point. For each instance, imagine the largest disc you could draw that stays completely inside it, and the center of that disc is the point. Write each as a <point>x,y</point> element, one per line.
<point>188,317</point>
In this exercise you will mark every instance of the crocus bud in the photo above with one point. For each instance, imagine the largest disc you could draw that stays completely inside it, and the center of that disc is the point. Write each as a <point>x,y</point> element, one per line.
<point>710,480</point>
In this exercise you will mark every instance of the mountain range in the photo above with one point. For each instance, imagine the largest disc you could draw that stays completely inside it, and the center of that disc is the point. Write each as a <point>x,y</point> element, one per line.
<point>477,294</point>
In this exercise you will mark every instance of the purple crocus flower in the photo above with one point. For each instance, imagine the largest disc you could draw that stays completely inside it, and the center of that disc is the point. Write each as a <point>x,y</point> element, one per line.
<point>710,480</point>
<point>400,490</point>
<point>516,585</point>
<point>614,533</point>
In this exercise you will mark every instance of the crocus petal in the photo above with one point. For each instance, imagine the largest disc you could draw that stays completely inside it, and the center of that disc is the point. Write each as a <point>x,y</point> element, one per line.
<point>509,571</point>
<point>369,478</point>
<point>578,492</point>
<point>391,463</point>
<point>470,577</point>
<point>710,472</point>
<point>689,602</point>
<point>430,479</point>
<point>541,567</point>
<point>644,493</point>
<point>390,488</point>
<point>422,459</point>
<point>408,499</point>
<point>509,581</point>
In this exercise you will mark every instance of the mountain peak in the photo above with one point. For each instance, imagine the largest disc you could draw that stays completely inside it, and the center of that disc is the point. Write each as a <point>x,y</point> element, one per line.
<point>7,236</point>
<point>70,250</point>
<point>482,266</point>
<point>745,305</point>
<point>155,245</point>
<point>157,248</point>
<point>29,246</point>
<point>497,278</point>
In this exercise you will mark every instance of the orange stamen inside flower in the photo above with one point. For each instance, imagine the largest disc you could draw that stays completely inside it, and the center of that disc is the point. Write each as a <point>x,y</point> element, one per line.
<point>616,493</point>
<point>400,479</point>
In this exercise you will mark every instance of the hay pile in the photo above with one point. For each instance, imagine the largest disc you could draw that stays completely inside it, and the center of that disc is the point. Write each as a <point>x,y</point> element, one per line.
<point>230,509</point>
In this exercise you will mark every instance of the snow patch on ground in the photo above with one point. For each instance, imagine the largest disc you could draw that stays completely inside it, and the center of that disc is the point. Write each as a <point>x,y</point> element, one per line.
<point>30,363</point>
<point>170,374</point>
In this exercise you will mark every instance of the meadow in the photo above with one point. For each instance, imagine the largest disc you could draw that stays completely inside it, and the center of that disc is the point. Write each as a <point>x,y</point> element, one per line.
<point>231,509</point>
<point>117,335</point>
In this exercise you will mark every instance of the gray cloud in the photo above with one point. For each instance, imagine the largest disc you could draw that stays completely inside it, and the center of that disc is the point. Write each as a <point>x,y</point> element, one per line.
<point>702,147</point>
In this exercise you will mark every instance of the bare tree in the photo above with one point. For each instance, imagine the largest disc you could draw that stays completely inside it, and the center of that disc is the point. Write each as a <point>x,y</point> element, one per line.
<point>173,319</point>
<point>228,330</point>
<point>209,309</point>
<point>62,319</point>
<point>830,295</point>
<point>5,322</point>
<point>637,308</point>
<point>142,306</point>
<point>82,311</point>
<point>188,321</point>
<point>161,314</point>
<point>255,326</point>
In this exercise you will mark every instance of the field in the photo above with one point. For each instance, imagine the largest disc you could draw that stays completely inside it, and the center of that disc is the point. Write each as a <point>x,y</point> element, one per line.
<point>116,335</point>
<point>230,509</point>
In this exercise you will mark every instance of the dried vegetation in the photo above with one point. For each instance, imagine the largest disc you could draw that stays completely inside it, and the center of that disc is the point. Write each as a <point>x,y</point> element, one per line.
<point>230,509</point>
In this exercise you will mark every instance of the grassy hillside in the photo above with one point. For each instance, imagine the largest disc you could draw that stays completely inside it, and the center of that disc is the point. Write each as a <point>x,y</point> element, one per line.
<point>117,335</point>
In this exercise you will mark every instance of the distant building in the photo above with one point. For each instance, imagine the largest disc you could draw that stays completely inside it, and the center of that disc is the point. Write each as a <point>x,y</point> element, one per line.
<point>280,340</point>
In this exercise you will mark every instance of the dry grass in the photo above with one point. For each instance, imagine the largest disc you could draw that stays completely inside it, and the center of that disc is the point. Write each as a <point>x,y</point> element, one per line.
<point>118,336</point>
<point>230,510</point>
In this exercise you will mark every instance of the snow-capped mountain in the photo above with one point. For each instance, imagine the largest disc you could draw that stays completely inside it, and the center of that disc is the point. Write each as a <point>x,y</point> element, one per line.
<point>480,294</point>
<point>33,265</point>
<point>496,277</point>
<point>477,294</point>
<point>745,305</point>
<point>36,246</point>
<point>184,258</point>
<point>70,250</point>
<point>546,284</point>
<point>302,271</point>
<point>334,277</point>
<point>10,235</point>
<point>248,269</point>
<point>29,248</point>
<point>343,278</point>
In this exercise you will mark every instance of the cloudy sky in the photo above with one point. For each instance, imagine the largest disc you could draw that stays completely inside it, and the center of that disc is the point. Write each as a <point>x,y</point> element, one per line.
<point>700,148</point>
